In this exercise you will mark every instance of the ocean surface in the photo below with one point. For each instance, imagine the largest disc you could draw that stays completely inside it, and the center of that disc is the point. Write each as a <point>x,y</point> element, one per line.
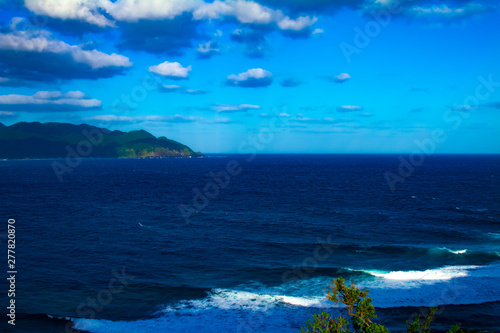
<point>160,246</point>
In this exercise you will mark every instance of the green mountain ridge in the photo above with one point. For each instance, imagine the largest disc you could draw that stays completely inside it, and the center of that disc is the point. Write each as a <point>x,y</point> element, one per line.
<point>56,140</point>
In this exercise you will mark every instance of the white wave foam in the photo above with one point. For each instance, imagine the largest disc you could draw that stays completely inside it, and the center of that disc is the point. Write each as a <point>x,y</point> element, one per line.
<point>441,250</point>
<point>255,307</point>
<point>453,251</point>
<point>439,274</point>
<point>262,299</point>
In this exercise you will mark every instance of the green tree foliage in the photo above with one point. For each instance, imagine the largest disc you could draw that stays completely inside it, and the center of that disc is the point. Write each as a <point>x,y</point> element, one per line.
<point>361,312</point>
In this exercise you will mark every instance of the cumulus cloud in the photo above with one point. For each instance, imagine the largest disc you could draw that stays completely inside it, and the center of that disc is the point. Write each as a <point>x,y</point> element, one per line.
<point>168,88</point>
<point>92,11</point>
<point>255,77</point>
<point>133,10</point>
<point>250,12</point>
<point>156,26</point>
<point>166,27</point>
<point>207,50</point>
<point>82,10</point>
<point>235,107</point>
<point>243,11</point>
<point>349,108</point>
<point>298,24</point>
<point>49,101</point>
<point>173,70</point>
<point>341,78</point>
<point>36,56</point>
<point>106,13</point>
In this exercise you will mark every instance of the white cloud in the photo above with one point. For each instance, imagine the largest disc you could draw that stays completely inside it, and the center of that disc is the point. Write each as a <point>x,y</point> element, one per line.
<point>47,94</point>
<point>342,77</point>
<point>255,77</point>
<point>49,101</point>
<point>436,11</point>
<point>75,94</point>
<point>208,49</point>
<point>463,108</point>
<point>171,69</point>
<point>81,10</point>
<point>194,91</point>
<point>171,87</point>
<point>296,25</point>
<point>318,31</point>
<point>58,94</point>
<point>250,12</point>
<point>90,11</point>
<point>349,108</point>
<point>254,73</point>
<point>235,107</point>
<point>134,10</point>
<point>444,11</point>
<point>105,13</point>
<point>177,118</point>
<point>244,11</point>
<point>281,115</point>
<point>321,121</point>
<point>40,43</point>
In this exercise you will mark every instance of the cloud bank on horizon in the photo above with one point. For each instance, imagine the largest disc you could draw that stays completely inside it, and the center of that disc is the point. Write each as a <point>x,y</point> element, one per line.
<point>346,75</point>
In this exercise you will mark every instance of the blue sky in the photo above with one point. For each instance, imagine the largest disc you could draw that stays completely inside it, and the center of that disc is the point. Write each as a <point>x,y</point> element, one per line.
<point>214,74</point>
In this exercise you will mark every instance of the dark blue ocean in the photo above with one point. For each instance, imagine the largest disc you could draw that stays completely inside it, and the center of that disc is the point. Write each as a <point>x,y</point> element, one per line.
<point>140,246</point>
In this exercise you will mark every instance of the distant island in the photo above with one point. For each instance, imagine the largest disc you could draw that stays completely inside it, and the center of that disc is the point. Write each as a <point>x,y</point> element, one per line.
<point>55,140</point>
